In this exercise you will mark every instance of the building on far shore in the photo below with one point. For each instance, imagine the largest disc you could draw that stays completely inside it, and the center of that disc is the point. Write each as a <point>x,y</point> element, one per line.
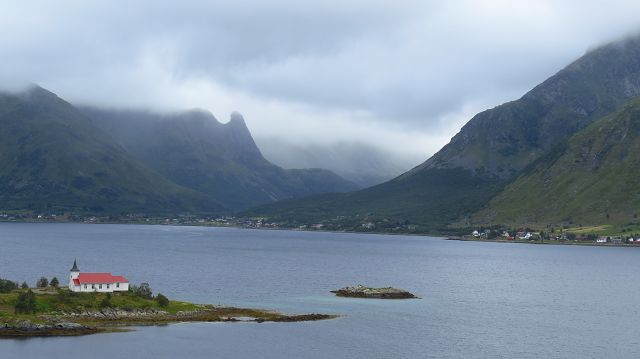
<point>96,282</point>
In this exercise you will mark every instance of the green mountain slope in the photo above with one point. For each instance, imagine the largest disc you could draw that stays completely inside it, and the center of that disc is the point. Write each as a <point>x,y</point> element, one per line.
<point>53,159</point>
<point>194,150</point>
<point>492,149</point>
<point>594,179</point>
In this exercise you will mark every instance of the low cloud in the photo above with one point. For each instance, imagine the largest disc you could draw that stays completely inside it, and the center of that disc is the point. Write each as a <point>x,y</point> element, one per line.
<point>404,76</point>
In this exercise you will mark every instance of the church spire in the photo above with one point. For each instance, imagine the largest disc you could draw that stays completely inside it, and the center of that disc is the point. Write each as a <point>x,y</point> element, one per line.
<point>75,267</point>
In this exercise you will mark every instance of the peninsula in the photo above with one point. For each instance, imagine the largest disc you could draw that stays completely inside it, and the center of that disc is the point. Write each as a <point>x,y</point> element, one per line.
<point>97,302</point>
<point>57,311</point>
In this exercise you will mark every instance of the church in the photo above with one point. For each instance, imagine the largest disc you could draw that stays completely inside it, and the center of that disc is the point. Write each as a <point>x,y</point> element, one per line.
<point>96,282</point>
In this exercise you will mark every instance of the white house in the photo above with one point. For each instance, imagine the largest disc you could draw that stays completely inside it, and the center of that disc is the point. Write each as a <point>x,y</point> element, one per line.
<point>96,282</point>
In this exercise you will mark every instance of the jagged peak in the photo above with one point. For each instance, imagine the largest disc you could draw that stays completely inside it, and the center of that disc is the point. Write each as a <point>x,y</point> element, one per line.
<point>237,124</point>
<point>236,118</point>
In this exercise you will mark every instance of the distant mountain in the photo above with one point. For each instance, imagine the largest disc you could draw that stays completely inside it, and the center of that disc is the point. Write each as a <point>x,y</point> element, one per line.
<point>53,159</point>
<point>491,150</point>
<point>592,179</point>
<point>362,164</point>
<point>196,151</point>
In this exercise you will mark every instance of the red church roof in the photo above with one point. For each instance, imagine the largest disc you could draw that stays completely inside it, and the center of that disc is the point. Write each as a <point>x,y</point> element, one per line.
<point>99,278</point>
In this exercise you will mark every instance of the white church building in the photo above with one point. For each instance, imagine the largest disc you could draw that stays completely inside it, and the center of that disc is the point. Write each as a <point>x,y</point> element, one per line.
<point>96,282</point>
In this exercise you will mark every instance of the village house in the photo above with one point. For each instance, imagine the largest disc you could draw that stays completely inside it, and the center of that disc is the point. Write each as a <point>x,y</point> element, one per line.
<point>96,282</point>
<point>524,235</point>
<point>369,225</point>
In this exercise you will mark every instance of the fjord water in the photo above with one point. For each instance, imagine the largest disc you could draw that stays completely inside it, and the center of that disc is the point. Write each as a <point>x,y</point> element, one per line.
<point>478,299</point>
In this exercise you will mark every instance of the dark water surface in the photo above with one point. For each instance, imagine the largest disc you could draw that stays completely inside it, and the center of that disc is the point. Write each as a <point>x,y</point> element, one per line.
<point>478,299</point>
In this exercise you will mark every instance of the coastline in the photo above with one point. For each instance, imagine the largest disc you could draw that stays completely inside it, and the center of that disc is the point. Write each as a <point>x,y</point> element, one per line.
<point>553,243</point>
<point>434,235</point>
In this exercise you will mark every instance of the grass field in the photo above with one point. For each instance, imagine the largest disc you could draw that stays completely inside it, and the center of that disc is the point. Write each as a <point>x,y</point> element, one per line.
<point>56,300</point>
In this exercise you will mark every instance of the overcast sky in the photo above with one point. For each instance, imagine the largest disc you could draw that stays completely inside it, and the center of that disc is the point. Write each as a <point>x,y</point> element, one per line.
<point>403,75</point>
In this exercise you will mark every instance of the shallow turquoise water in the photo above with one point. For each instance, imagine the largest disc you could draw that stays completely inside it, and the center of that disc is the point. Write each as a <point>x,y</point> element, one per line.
<point>478,299</point>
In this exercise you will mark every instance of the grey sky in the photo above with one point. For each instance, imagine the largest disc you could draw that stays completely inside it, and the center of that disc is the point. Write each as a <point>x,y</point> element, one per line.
<point>403,75</point>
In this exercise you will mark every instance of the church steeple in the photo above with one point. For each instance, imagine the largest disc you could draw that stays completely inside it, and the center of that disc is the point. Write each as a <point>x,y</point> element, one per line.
<point>75,267</point>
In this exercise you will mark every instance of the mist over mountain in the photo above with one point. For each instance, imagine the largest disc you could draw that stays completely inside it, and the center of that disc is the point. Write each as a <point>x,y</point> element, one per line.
<point>57,158</point>
<point>52,159</point>
<point>360,163</point>
<point>195,150</point>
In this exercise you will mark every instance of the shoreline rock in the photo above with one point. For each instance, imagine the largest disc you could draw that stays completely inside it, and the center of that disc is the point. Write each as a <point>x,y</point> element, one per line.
<point>361,291</point>
<point>26,328</point>
<point>85,322</point>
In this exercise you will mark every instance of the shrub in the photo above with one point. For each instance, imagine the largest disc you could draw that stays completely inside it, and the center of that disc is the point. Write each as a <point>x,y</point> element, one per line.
<point>26,303</point>
<point>106,301</point>
<point>7,286</point>
<point>63,296</point>
<point>24,285</point>
<point>142,291</point>
<point>42,282</point>
<point>54,282</point>
<point>162,300</point>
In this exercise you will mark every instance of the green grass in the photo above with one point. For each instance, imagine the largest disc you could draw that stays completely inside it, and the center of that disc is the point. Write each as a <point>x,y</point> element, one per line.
<point>594,180</point>
<point>52,300</point>
<point>613,230</point>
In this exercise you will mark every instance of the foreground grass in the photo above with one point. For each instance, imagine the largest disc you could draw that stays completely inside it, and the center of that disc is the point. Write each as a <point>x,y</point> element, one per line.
<point>56,300</point>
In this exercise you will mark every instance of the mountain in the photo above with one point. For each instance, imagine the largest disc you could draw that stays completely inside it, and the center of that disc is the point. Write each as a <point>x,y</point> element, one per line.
<point>53,159</point>
<point>360,163</point>
<point>592,179</point>
<point>196,151</point>
<point>491,150</point>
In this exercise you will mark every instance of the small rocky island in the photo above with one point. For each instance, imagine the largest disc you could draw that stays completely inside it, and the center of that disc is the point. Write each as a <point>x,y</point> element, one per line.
<point>361,291</point>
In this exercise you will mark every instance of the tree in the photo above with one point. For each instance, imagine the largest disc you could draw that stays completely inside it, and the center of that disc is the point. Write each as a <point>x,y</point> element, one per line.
<point>26,303</point>
<point>24,285</point>
<point>144,291</point>
<point>42,282</point>
<point>7,286</point>
<point>162,300</point>
<point>54,282</point>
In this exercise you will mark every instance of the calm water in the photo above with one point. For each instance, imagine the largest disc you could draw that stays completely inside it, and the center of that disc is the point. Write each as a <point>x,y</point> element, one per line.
<point>479,299</point>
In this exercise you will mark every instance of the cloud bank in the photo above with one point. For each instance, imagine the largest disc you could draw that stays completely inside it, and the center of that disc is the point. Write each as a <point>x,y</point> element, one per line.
<point>402,75</point>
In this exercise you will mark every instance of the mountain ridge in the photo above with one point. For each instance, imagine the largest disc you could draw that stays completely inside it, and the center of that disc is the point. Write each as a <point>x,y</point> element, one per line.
<point>590,180</point>
<point>53,159</point>
<point>491,150</point>
<point>195,150</point>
